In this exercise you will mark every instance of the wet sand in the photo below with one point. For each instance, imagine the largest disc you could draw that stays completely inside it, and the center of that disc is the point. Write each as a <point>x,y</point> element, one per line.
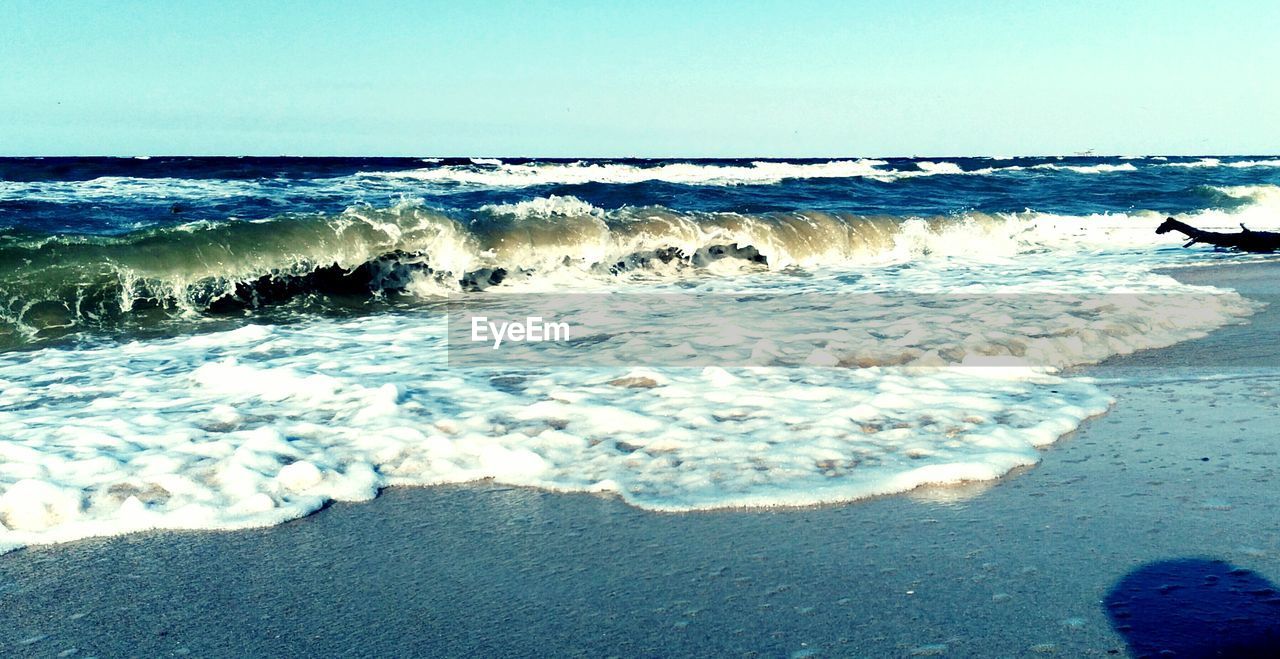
<point>1184,466</point>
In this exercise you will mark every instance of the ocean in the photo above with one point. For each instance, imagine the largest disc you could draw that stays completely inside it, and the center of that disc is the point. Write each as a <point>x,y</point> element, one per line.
<point>220,343</point>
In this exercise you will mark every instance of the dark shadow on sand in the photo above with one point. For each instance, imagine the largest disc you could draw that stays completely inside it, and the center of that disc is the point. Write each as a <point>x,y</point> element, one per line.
<point>1196,607</point>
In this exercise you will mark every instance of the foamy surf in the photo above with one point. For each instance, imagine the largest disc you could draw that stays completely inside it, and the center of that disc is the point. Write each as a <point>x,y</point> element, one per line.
<point>235,371</point>
<point>54,285</point>
<point>499,174</point>
<point>496,173</point>
<point>266,423</point>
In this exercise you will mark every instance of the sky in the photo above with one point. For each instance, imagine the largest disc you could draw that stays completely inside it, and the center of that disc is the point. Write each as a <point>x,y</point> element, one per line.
<point>646,79</point>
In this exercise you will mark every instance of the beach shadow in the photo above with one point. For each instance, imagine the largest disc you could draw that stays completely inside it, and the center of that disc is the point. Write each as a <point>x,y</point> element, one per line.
<point>1195,607</point>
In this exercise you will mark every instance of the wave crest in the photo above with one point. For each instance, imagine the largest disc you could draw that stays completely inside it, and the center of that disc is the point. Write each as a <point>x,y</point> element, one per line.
<point>50,286</point>
<point>499,174</point>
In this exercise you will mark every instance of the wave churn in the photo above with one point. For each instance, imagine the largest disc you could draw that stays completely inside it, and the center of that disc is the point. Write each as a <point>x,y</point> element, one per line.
<point>216,344</point>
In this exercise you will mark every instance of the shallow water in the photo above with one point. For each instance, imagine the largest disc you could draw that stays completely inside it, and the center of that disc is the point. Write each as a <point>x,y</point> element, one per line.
<point>221,343</point>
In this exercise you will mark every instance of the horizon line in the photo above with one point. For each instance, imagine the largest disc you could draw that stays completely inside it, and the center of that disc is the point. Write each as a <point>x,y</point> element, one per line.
<point>144,156</point>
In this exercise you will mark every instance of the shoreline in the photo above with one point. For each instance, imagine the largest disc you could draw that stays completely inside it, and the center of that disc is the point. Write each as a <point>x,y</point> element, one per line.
<point>1012,566</point>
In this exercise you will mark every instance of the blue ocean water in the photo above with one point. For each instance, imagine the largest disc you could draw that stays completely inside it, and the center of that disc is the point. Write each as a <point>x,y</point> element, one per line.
<point>230,342</point>
<point>114,196</point>
<point>99,244</point>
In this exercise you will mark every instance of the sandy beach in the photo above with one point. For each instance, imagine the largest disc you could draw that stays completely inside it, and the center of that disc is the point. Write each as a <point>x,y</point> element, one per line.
<point>1181,468</point>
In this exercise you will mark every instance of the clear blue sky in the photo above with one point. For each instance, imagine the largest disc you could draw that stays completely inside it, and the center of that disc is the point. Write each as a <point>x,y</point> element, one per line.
<point>692,78</point>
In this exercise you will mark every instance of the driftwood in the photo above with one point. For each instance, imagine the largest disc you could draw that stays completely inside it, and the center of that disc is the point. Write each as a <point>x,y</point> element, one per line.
<point>1245,241</point>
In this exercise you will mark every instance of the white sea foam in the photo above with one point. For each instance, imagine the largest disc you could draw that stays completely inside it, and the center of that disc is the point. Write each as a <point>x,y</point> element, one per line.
<point>482,171</point>
<point>544,207</point>
<point>1244,164</point>
<point>1217,162</point>
<point>588,236</point>
<point>266,423</point>
<point>260,425</point>
<point>939,167</point>
<point>760,172</point>
<point>499,175</point>
<point>125,187</point>
<point>1203,162</point>
<point>1264,198</point>
<point>242,434</point>
<point>1101,168</point>
<point>496,173</point>
<point>561,242</point>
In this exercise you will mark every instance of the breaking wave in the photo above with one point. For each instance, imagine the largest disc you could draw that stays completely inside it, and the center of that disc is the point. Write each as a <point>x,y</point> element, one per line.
<point>50,286</point>
<point>842,389</point>
<point>1103,168</point>
<point>1217,162</point>
<point>496,173</point>
<point>56,284</point>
